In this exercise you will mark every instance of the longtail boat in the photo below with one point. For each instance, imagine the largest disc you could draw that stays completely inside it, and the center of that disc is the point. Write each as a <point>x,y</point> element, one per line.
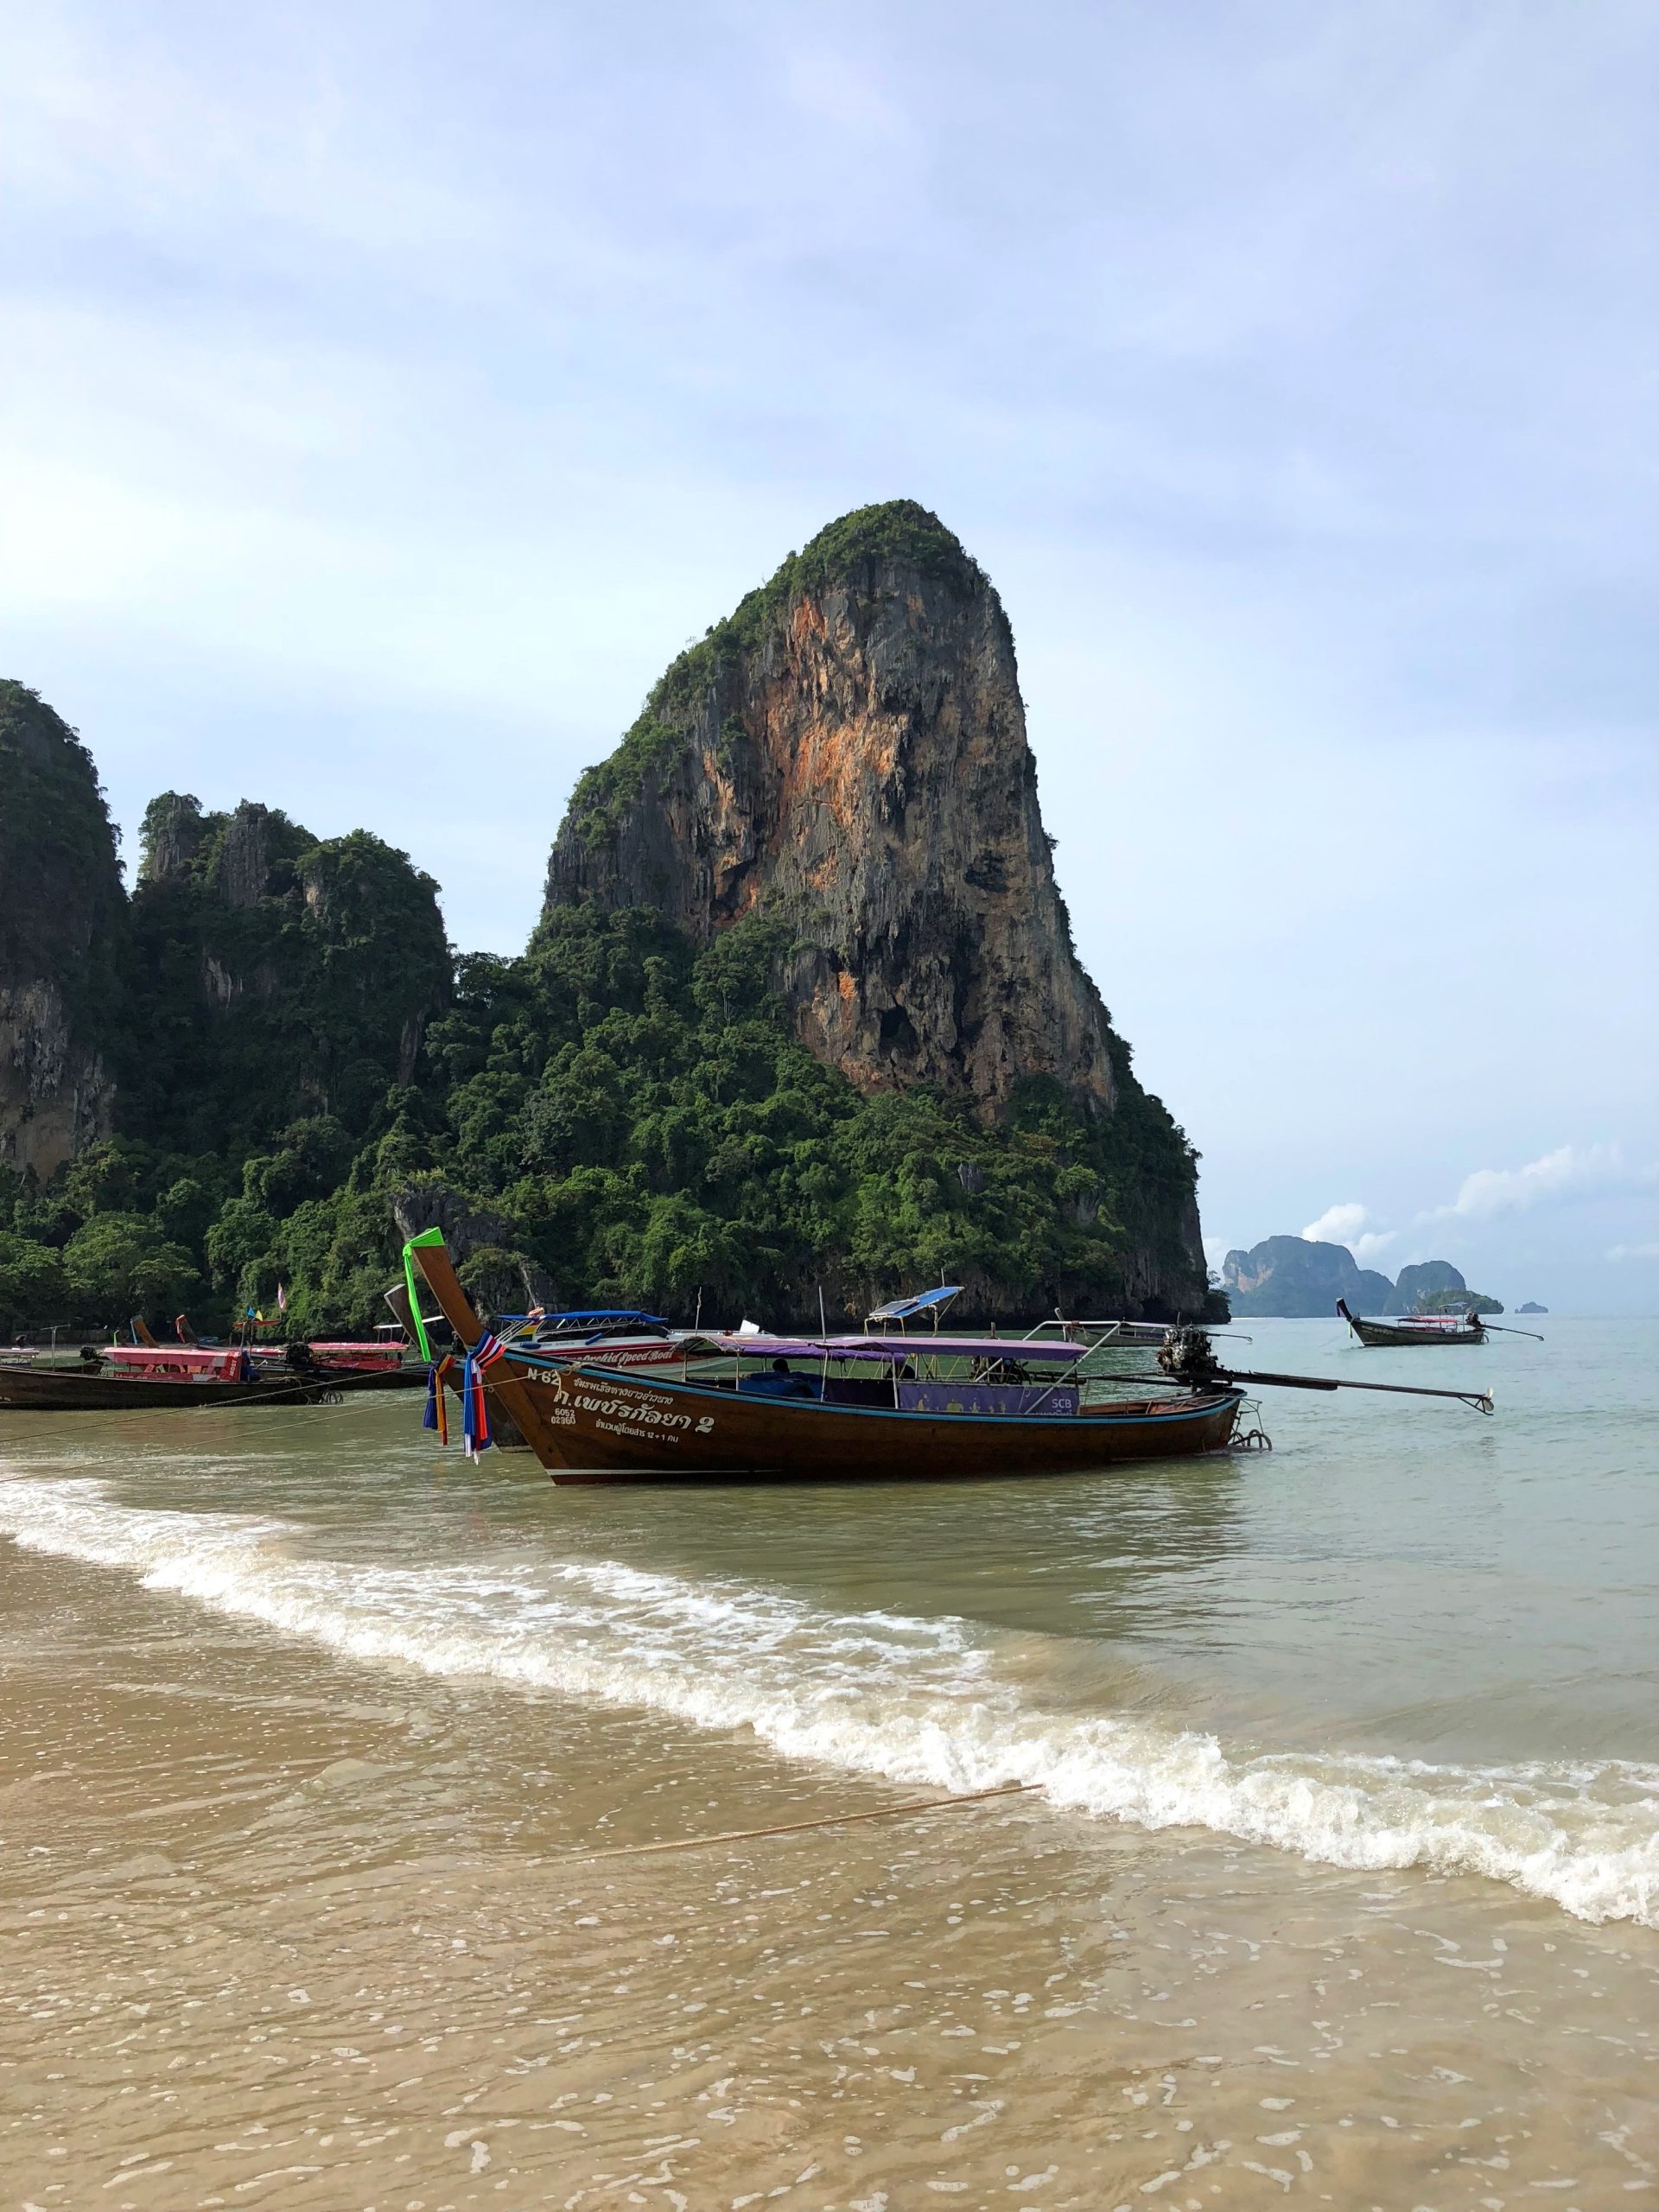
<point>366,1366</point>
<point>1416,1328</point>
<point>127,1377</point>
<point>384,1357</point>
<point>792,1408</point>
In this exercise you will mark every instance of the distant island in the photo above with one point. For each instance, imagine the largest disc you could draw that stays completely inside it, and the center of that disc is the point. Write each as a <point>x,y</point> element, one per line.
<point>1531,1308</point>
<point>1292,1277</point>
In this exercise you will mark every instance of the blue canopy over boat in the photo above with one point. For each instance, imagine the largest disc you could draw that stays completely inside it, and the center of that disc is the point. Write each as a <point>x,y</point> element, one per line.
<point>932,1302</point>
<point>593,1321</point>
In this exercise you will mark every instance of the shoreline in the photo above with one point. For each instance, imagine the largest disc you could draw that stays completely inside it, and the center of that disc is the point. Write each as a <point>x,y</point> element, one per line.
<point>318,1891</point>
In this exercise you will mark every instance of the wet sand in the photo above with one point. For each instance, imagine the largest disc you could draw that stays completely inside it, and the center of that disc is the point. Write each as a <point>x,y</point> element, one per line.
<point>283,1931</point>
<point>1339,1880</point>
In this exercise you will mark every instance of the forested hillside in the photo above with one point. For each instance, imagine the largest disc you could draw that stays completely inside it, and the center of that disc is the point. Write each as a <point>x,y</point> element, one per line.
<point>633,1119</point>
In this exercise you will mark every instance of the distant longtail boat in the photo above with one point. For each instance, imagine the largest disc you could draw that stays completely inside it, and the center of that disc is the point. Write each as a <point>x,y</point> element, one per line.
<point>1417,1328</point>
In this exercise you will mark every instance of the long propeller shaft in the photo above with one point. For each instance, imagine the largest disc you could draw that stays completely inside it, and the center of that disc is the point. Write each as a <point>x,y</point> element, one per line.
<point>1480,1400</point>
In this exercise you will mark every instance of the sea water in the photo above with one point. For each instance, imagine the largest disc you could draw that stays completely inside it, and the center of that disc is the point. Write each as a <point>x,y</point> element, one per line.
<point>1339,1762</point>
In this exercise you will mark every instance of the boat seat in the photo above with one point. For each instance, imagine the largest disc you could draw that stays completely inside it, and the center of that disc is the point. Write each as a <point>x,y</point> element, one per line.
<point>779,1386</point>
<point>857,1390</point>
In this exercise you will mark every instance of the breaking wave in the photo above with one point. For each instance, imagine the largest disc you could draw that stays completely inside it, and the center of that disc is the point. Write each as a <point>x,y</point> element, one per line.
<point>915,1700</point>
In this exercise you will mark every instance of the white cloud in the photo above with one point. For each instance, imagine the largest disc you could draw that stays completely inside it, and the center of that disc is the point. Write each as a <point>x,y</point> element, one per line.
<point>1633,1252</point>
<point>1564,1174</point>
<point>1345,1224</point>
<point>1337,1225</point>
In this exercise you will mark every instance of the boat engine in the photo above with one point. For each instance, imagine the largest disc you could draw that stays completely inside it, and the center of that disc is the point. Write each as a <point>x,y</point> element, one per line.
<point>1187,1356</point>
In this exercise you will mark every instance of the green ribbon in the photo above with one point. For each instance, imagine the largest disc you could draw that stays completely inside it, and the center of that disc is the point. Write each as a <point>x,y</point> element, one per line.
<point>426,1237</point>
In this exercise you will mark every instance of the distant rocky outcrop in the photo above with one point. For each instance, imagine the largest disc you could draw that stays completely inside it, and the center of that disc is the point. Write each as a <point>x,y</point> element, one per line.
<point>1532,1307</point>
<point>1289,1275</point>
<point>62,940</point>
<point>847,752</point>
<point>1293,1275</point>
<point>1425,1282</point>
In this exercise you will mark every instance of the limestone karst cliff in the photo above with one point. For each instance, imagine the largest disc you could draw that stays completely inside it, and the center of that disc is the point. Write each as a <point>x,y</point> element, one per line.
<point>847,752</point>
<point>62,940</point>
<point>1298,1276</point>
<point>1301,1277</point>
<point>281,976</point>
<point>849,748</point>
<point>801,1026</point>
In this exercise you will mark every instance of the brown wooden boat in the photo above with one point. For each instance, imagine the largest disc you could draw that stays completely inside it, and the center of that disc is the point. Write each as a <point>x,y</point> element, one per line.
<point>1416,1328</point>
<point>128,1378</point>
<point>800,1415</point>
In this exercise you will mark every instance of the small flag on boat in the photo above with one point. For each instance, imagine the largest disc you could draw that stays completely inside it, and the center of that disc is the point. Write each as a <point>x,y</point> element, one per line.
<point>474,1412</point>
<point>281,1300</point>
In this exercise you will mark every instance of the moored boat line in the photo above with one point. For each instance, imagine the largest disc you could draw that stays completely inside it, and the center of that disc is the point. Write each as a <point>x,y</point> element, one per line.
<point>151,1376</point>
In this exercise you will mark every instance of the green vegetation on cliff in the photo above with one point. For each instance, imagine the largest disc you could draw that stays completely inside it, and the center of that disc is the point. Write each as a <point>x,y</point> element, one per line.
<point>636,1116</point>
<point>1451,1301</point>
<point>645,1118</point>
<point>60,896</point>
<point>283,979</point>
<point>280,989</point>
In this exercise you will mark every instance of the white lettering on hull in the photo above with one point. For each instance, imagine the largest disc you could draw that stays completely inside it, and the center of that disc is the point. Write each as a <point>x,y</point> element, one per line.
<point>625,1411</point>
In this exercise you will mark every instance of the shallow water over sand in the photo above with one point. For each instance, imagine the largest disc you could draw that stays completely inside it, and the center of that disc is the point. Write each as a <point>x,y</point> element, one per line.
<point>1339,1879</point>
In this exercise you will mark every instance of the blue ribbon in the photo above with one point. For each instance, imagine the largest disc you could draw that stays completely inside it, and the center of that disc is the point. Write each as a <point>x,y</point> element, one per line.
<point>474,1412</point>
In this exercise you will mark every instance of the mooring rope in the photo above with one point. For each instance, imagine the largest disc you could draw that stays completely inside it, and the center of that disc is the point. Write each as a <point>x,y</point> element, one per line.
<point>791,1828</point>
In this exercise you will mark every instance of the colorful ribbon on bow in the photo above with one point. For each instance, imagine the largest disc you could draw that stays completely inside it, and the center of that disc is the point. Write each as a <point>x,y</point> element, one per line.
<point>434,1236</point>
<point>436,1415</point>
<point>474,1412</point>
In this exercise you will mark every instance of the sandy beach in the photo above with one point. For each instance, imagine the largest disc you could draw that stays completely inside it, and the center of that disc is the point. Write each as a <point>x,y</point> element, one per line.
<point>300,1914</point>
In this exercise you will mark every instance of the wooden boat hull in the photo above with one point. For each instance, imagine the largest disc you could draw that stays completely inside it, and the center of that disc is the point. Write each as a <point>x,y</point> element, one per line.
<point>595,1425</point>
<point>406,1377</point>
<point>67,1389</point>
<point>1377,1333</point>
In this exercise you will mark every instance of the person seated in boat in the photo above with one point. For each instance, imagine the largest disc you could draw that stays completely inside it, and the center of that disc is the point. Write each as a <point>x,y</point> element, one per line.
<point>1002,1371</point>
<point>779,1383</point>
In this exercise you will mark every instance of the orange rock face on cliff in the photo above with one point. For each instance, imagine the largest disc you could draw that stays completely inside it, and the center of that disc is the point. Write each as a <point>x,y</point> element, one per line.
<point>848,751</point>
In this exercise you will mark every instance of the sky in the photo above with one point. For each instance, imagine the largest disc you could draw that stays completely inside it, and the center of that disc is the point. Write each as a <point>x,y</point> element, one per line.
<point>388,393</point>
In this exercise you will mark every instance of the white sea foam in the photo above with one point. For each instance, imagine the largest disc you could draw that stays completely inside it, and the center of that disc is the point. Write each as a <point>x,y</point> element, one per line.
<point>917,1701</point>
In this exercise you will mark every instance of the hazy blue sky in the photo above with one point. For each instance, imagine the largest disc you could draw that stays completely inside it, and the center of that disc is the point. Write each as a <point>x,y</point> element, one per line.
<point>388,392</point>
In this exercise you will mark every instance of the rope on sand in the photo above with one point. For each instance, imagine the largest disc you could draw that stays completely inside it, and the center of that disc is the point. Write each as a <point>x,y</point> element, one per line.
<point>791,1828</point>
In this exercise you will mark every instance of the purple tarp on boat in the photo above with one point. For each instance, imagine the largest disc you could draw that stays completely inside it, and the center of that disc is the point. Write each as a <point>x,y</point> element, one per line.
<point>987,1398</point>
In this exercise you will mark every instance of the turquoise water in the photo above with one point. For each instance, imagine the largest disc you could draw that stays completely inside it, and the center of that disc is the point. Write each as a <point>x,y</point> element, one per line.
<point>1409,1636</point>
